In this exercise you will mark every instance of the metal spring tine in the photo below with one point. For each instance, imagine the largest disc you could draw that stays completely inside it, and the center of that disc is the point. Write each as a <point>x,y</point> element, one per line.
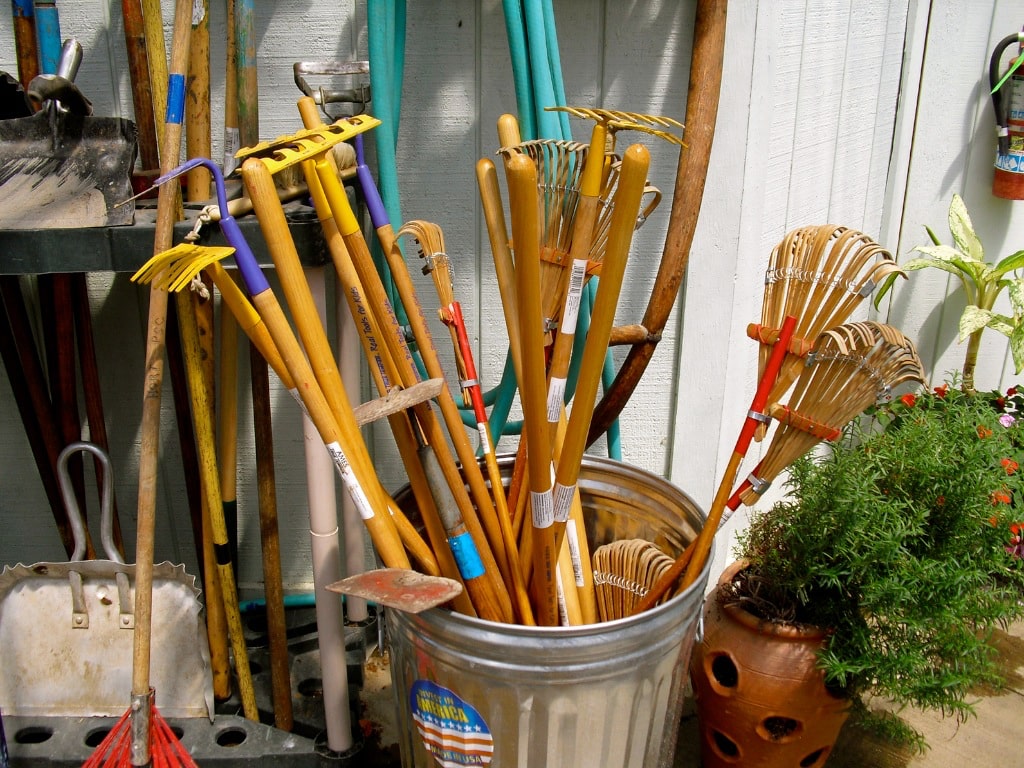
<point>618,120</point>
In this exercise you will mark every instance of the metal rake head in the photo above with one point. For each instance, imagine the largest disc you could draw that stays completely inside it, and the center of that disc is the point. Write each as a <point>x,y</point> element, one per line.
<point>308,144</point>
<point>617,120</point>
<point>173,269</point>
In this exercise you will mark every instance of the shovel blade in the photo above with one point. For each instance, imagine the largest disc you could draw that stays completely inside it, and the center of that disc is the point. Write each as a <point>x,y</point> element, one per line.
<point>68,173</point>
<point>408,591</point>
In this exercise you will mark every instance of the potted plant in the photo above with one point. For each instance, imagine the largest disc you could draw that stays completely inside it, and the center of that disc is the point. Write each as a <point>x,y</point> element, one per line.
<point>899,548</point>
<point>982,282</point>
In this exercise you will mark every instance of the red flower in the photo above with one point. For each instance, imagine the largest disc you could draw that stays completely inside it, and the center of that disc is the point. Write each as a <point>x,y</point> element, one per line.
<point>941,391</point>
<point>1001,402</point>
<point>1011,391</point>
<point>908,400</point>
<point>1015,528</point>
<point>984,431</point>
<point>940,501</point>
<point>1010,466</point>
<point>999,497</point>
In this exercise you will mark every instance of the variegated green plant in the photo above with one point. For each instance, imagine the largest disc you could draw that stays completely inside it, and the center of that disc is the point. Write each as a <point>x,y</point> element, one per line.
<point>982,283</point>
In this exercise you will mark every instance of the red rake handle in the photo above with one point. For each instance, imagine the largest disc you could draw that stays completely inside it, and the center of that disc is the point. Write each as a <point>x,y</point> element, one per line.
<point>694,557</point>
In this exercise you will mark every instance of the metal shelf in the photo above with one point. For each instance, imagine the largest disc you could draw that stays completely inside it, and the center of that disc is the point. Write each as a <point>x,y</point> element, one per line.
<point>126,248</point>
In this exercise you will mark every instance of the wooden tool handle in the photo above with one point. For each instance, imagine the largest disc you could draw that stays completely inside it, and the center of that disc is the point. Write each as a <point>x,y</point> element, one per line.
<point>523,203</point>
<point>210,484</point>
<point>149,449</point>
<point>632,178</point>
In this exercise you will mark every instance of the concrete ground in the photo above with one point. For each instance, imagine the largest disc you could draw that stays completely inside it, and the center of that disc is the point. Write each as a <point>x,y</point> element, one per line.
<point>993,739</point>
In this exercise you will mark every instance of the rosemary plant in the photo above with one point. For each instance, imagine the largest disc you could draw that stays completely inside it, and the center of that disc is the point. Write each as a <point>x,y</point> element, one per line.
<point>902,540</point>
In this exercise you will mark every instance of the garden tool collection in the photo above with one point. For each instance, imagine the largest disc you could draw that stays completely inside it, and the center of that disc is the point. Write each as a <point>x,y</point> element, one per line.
<point>465,513</point>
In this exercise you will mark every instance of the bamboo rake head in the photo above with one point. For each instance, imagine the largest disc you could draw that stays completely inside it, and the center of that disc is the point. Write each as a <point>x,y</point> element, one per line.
<point>624,572</point>
<point>852,367</point>
<point>820,275</point>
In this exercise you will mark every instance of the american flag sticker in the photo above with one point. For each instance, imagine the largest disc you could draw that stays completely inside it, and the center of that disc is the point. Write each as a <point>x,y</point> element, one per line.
<point>452,731</point>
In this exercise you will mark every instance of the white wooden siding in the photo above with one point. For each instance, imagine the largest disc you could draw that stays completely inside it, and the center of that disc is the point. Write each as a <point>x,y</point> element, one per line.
<point>818,123</point>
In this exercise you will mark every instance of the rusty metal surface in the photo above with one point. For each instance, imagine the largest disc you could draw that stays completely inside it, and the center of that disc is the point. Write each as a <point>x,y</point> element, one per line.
<point>405,590</point>
<point>67,649</point>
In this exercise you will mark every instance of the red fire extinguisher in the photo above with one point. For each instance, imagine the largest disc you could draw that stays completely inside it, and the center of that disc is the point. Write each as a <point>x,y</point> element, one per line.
<point>1008,100</point>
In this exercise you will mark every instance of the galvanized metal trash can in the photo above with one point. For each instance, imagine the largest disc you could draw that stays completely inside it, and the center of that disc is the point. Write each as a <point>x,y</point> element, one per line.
<point>476,693</point>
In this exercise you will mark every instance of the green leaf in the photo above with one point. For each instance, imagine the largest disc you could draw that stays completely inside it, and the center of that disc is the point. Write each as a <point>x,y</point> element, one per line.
<point>1010,263</point>
<point>1017,348</point>
<point>962,229</point>
<point>1015,290</point>
<point>884,287</point>
<point>1002,323</point>
<point>973,319</point>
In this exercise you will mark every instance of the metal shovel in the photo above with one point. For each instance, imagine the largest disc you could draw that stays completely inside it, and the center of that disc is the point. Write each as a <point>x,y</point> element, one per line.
<point>63,167</point>
<point>66,628</point>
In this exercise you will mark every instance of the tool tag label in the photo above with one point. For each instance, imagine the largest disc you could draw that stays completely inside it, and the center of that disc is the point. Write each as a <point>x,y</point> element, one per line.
<point>572,538</point>
<point>556,397</point>
<point>543,509</point>
<point>451,729</point>
<point>485,439</point>
<point>563,496</point>
<point>355,490</point>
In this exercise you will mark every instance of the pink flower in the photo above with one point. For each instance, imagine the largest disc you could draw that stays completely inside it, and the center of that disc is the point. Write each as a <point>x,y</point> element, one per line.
<point>1007,420</point>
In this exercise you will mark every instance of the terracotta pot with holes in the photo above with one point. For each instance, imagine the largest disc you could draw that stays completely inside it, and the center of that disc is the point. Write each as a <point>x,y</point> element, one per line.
<point>761,701</point>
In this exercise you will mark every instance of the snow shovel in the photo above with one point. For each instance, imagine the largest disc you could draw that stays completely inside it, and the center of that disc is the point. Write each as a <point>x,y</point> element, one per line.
<point>66,628</point>
<point>63,167</point>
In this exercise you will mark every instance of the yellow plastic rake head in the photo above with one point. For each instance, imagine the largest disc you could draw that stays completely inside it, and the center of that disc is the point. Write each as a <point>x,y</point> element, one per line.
<point>308,144</point>
<point>175,268</point>
<point>617,120</point>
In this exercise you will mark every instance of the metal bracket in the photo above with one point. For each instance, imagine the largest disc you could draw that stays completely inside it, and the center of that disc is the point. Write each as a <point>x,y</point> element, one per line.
<point>358,95</point>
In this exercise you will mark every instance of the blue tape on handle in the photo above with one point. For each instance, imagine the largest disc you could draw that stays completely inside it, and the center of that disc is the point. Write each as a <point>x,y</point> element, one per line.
<point>466,556</point>
<point>175,99</point>
<point>23,8</point>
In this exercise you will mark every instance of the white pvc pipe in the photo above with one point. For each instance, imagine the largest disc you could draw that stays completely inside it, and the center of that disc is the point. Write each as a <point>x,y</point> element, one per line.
<point>349,358</point>
<point>326,557</point>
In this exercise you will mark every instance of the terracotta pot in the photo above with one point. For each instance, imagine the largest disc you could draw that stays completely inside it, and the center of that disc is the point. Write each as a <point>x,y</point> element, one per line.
<point>761,701</point>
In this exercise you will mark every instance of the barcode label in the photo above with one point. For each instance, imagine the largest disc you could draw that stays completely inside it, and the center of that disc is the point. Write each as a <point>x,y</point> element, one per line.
<point>572,297</point>
<point>485,439</point>
<point>348,476</point>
